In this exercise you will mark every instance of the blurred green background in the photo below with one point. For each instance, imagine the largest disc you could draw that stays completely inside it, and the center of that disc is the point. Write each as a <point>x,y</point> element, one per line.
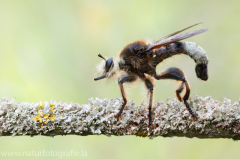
<point>49,48</point>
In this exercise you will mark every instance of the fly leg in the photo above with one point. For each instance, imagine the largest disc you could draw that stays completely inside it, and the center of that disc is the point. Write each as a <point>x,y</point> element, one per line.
<point>149,86</point>
<point>120,83</point>
<point>178,75</point>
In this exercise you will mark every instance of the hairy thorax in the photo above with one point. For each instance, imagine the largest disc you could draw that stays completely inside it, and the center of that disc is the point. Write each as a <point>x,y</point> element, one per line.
<point>135,60</point>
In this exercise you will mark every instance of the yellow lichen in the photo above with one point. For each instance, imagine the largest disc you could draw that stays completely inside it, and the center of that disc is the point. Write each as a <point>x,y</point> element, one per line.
<point>41,125</point>
<point>52,117</point>
<point>40,106</point>
<point>52,104</point>
<point>51,107</point>
<point>45,115</point>
<point>142,134</point>
<point>39,117</point>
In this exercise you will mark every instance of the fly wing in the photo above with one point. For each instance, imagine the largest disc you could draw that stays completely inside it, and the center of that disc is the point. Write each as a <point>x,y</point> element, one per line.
<point>175,38</point>
<point>178,32</point>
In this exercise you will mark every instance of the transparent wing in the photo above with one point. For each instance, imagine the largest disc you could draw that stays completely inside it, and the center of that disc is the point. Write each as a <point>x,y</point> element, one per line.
<point>178,31</point>
<point>175,38</point>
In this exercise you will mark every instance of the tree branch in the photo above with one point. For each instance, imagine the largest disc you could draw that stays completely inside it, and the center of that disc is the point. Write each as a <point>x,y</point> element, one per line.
<point>215,119</point>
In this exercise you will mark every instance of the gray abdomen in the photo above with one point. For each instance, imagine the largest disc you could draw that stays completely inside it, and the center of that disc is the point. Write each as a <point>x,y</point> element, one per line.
<point>189,48</point>
<point>196,52</point>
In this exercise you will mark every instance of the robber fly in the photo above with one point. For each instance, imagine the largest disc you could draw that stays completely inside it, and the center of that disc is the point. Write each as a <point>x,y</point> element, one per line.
<point>138,61</point>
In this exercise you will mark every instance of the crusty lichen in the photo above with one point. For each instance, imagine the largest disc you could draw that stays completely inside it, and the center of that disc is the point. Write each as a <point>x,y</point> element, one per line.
<point>44,118</point>
<point>214,119</point>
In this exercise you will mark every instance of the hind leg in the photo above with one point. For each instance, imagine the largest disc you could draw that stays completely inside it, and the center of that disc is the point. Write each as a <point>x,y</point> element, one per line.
<point>178,75</point>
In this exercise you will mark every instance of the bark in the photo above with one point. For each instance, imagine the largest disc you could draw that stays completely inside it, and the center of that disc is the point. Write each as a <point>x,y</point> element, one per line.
<point>215,119</point>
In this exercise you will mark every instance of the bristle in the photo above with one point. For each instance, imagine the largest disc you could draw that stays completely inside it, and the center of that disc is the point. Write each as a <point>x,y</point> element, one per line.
<point>148,41</point>
<point>101,67</point>
<point>112,77</point>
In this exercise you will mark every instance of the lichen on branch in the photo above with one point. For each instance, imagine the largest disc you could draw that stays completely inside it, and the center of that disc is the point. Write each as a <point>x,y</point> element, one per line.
<point>215,119</point>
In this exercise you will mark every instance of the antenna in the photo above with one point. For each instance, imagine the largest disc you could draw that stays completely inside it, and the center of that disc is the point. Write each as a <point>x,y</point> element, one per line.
<point>99,55</point>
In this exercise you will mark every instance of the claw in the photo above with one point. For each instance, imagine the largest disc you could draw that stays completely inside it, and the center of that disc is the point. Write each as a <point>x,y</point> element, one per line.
<point>194,118</point>
<point>150,126</point>
<point>119,116</point>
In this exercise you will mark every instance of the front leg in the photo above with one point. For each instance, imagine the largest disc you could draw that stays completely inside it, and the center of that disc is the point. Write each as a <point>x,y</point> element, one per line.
<point>120,83</point>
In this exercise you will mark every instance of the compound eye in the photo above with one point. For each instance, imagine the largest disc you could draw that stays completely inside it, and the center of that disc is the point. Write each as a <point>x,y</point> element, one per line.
<point>109,64</point>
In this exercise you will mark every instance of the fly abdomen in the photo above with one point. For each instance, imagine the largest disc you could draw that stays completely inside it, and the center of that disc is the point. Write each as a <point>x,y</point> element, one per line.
<point>196,53</point>
<point>170,50</point>
<point>199,55</point>
<point>189,48</point>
